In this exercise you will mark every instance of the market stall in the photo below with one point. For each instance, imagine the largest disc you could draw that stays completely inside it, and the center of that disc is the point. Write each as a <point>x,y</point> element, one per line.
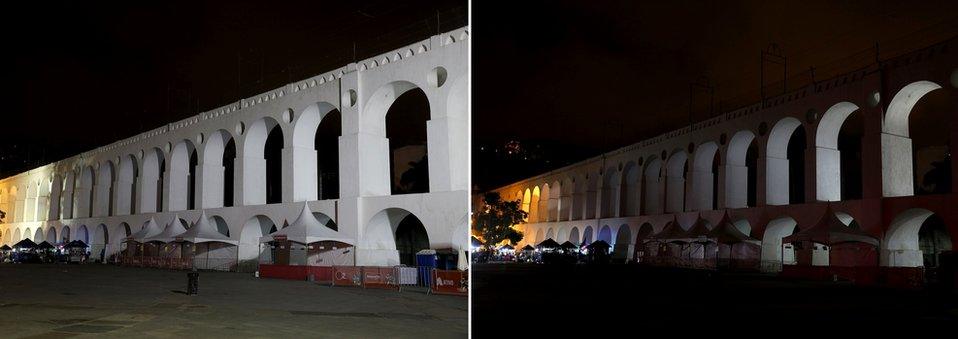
<point>307,247</point>
<point>206,248</point>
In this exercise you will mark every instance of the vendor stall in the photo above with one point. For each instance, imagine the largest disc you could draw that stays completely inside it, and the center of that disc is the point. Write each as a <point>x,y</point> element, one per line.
<point>308,247</point>
<point>832,249</point>
<point>206,248</point>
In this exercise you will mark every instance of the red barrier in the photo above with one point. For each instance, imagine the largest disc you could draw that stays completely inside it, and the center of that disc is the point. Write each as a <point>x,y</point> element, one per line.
<point>380,277</point>
<point>347,276</point>
<point>282,272</point>
<point>450,282</point>
<point>903,277</point>
<point>323,274</point>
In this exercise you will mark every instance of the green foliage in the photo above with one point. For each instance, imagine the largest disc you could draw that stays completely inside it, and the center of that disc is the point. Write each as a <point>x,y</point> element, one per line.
<point>495,220</point>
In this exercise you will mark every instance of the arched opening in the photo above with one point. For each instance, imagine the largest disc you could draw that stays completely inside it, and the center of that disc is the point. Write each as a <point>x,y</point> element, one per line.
<point>651,198</point>
<point>540,236</point>
<point>151,186</point>
<point>553,204</point>
<point>526,202</point>
<point>183,176</point>
<point>587,235</point>
<point>565,200</point>
<point>785,163</point>
<point>676,174</point>
<point>217,170</point>
<point>125,190</point>
<point>543,210</point>
<point>104,189</point>
<point>916,238</point>
<point>534,205</point>
<point>641,239</point>
<point>38,236</point>
<point>394,236</point>
<point>705,177</point>
<point>629,194</point>
<point>221,226</point>
<point>574,236</point>
<point>550,234</point>
<point>28,234</point>
<point>327,155</point>
<point>51,235</point>
<point>406,132</point>
<point>16,237</point>
<point>920,163</point>
<point>838,142</point>
<point>249,249</point>
<point>610,185</point>
<point>82,234</point>
<point>101,239</point>
<point>83,194</point>
<point>622,250</point>
<point>774,252</point>
<point>262,163</point>
<point>229,172</point>
<point>273,152</point>
<point>605,234</point>
<point>65,234</point>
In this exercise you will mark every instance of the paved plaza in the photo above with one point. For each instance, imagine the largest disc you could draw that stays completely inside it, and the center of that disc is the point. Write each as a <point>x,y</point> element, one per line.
<point>94,300</point>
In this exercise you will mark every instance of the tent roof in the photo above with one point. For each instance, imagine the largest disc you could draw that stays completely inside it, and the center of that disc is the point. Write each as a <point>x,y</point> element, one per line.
<point>600,243</point>
<point>25,243</point>
<point>829,230</point>
<point>5,248</point>
<point>568,244</point>
<point>45,245</point>
<point>172,230</point>
<point>150,228</point>
<point>507,247</point>
<point>76,244</point>
<point>307,230</point>
<point>528,248</point>
<point>548,243</point>
<point>204,231</point>
<point>726,232</point>
<point>671,231</point>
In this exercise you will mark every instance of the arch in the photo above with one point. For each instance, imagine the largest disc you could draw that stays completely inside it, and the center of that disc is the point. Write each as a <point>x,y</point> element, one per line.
<point>562,235</point>
<point>675,173</point>
<point>534,204</point>
<point>262,179</point>
<point>742,225</point>
<point>83,194</point>
<point>704,176</point>
<point>66,195</point>
<point>540,236</point>
<point>27,234</point>
<point>51,235</point>
<point>587,235</point>
<point>772,247</point>
<point>543,210</point>
<point>527,202</point>
<point>740,170</point>
<point>554,202</point>
<point>629,195</point>
<point>645,230</point>
<point>828,171</point>
<point>104,189</point>
<point>605,234</point>
<point>65,234</point>
<point>784,163</point>
<point>611,184</point>
<point>566,192</point>
<point>218,169</point>
<point>393,236</point>
<point>221,226</point>
<point>44,207</point>
<point>622,248</point>
<point>253,229</point>
<point>550,234</point>
<point>652,199</point>
<point>82,234</point>
<point>914,239</point>
<point>38,235</point>
<point>125,191</point>
<point>574,236</point>
<point>897,149</point>
<point>307,140</point>
<point>16,236</point>
<point>183,161</point>
<point>399,111</point>
<point>6,238</point>
<point>151,185</point>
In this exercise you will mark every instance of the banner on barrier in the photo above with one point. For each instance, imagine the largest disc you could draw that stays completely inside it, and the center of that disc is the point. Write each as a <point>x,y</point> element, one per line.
<point>380,277</point>
<point>347,276</point>
<point>450,282</point>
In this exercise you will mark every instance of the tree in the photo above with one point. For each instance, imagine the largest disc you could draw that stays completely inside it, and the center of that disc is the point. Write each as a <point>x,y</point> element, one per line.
<point>495,220</point>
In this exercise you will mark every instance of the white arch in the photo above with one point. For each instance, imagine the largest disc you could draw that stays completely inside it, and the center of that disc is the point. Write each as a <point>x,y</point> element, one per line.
<point>379,238</point>
<point>179,175</point>
<point>896,148</point>
<point>254,160</point>
<point>151,190</point>
<point>125,190</point>
<point>605,234</point>
<point>305,170</point>
<point>772,247</point>
<point>588,235</point>
<point>104,187</point>
<point>550,234</point>
<point>776,174</point>
<point>675,182</point>
<point>828,158</point>
<point>702,176</point>
<point>210,192</point>
<point>900,246</point>
<point>83,194</point>
<point>574,235</point>
<point>652,202</point>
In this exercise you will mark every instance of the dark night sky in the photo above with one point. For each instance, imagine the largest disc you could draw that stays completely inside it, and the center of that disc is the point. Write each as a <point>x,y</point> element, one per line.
<point>82,74</point>
<point>590,76</point>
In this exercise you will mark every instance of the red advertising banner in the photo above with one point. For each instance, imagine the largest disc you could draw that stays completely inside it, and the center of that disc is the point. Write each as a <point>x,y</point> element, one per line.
<point>380,277</point>
<point>450,282</point>
<point>347,276</point>
<point>321,274</point>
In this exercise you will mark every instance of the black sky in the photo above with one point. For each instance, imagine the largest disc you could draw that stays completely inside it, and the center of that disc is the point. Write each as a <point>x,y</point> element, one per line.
<point>83,74</point>
<point>590,76</point>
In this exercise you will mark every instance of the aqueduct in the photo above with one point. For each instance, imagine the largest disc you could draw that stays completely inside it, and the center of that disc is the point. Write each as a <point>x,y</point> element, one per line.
<point>872,145</point>
<point>317,152</point>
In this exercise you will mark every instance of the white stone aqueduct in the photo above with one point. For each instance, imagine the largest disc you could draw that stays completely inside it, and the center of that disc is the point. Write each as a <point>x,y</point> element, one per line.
<point>104,195</point>
<point>701,170</point>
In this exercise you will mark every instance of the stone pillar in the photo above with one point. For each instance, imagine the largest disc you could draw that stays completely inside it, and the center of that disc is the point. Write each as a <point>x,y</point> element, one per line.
<point>250,186</point>
<point>300,174</point>
<point>209,185</point>
<point>897,171</point>
<point>122,200</point>
<point>828,180</point>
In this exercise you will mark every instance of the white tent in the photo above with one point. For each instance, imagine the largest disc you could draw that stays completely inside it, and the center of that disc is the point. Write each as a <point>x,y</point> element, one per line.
<point>172,230</point>
<point>150,228</point>
<point>307,229</point>
<point>204,231</point>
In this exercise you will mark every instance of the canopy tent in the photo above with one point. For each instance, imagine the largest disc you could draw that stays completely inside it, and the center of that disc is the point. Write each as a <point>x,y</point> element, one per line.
<point>672,232</point>
<point>600,245</point>
<point>5,248</point>
<point>25,244</point>
<point>548,244</point>
<point>203,231</point>
<point>568,245</point>
<point>44,246</point>
<point>76,244</point>
<point>507,247</point>
<point>829,230</point>
<point>307,230</point>
<point>528,248</point>
<point>699,231</point>
<point>150,229</point>
<point>476,242</point>
<point>726,233</point>
<point>172,230</point>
